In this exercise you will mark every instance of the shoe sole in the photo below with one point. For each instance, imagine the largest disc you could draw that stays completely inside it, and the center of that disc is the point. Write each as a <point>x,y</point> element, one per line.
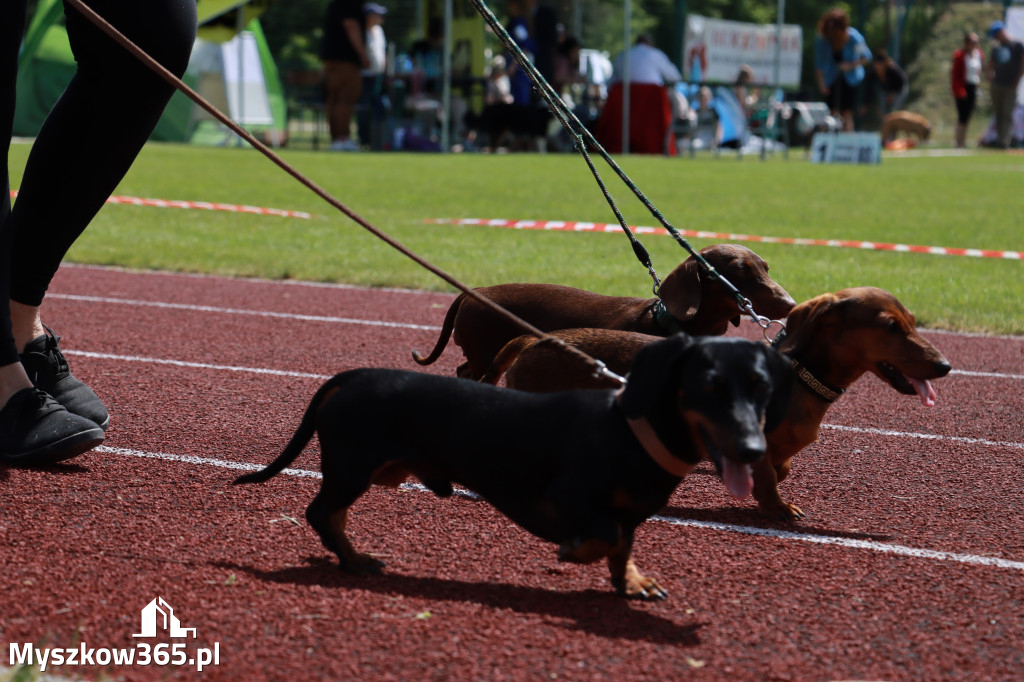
<point>64,449</point>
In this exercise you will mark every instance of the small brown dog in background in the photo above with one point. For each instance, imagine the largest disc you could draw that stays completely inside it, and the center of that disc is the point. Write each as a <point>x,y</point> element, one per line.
<point>692,304</point>
<point>831,339</point>
<point>905,122</point>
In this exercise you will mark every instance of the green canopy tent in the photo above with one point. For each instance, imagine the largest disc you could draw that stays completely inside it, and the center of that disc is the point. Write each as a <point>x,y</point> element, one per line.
<point>230,66</point>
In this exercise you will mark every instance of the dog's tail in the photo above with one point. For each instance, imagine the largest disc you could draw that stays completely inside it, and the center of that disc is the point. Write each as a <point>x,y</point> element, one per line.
<point>505,357</point>
<point>302,436</point>
<point>446,332</point>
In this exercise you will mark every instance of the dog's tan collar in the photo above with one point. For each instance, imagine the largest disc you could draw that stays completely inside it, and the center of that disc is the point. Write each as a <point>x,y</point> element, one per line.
<point>652,445</point>
<point>829,394</point>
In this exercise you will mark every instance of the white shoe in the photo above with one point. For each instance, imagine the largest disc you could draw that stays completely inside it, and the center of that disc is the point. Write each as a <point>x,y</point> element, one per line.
<point>344,146</point>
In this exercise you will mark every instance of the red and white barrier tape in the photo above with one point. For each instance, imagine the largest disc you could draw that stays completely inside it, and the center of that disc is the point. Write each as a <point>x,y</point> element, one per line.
<point>567,226</point>
<point>203,205</point>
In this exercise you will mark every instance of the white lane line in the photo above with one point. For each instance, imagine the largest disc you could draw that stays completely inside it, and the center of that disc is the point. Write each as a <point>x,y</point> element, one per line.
<point>994,375</point>
<point>254,280</point>
<point>107,356</point>
<point>310,375</point>
<point>194,365</point>
<point>239,311</point>
<point>925,436</point>
<point>372,291</point>
<point>848,543</point>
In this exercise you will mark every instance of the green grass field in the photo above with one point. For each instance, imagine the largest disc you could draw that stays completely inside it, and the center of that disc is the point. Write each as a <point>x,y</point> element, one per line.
<point>971,201</point>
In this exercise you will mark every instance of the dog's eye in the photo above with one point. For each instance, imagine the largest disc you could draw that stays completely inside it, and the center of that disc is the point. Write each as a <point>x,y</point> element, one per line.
<point>713,383</point>
<point>893,327</point>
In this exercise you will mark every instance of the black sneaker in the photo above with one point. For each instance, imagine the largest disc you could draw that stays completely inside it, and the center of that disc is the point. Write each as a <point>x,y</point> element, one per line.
<point>36,430</point>
<point>49,371</point>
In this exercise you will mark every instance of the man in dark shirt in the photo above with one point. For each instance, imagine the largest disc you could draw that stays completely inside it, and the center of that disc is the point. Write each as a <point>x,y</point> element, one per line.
<point>892,82</point>
<point>1005,68</point>
<point>343,53</point>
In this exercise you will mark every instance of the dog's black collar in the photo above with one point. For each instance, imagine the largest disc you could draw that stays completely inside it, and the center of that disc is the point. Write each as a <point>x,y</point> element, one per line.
<point>828,393</point>
<point>664,318</point>
<point>779,338</point>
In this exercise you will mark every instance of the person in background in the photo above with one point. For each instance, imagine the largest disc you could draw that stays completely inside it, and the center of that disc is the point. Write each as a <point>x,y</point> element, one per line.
<point>88,142</point>
<point>544,29</point>
<point>650,109</point>
<point>499,88</point>
<point>707,133</point>
<point>1005,68</point>
<point>744,95</point>
<point>343,53</point>
<point>427,52</point>
<point>373,99</point>
<point>965,75</point>
<point>892,81</point>
<point>566,69</point>
<point>840,54</point>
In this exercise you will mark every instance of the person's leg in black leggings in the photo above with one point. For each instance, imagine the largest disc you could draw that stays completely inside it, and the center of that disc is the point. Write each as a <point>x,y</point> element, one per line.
<point>85,147</point>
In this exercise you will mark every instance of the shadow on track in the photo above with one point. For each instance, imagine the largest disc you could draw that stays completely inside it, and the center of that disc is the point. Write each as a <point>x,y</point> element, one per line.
<point>596,612</point>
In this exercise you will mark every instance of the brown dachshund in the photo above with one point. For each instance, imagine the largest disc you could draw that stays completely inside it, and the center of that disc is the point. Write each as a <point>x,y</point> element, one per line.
<point>905,122</point>
<point>540,366</point>
<point>692,304</point>
<point>832,340</point>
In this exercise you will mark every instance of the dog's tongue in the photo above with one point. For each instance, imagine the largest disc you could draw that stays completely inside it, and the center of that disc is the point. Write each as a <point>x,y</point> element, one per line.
<point>924,390</point>
<point>738,478</point>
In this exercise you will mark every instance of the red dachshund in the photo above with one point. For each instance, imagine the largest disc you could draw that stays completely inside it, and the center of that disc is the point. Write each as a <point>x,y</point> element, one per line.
<point>832,340</point>
<point>691,303</point>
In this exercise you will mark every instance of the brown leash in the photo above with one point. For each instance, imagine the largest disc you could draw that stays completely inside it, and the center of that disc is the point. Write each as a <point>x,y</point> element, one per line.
<point>170,78</point>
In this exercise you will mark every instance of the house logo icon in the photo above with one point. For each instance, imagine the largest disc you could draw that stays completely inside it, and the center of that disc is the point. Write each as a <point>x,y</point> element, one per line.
<point>171,624</point>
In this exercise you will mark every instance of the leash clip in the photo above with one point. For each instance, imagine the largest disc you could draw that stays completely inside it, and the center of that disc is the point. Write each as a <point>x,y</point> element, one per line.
<point>763,322</point>
<point>601,371</point>
<point>776,340</point>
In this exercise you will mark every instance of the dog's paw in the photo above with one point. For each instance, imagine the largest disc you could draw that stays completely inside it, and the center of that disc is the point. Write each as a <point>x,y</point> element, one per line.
<point>361,564</point>
<point>782,511</point>
<point>643,588</point>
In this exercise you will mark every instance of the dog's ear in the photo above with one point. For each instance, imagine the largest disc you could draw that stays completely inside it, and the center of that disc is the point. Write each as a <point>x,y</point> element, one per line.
<point>652,370</point>
<point>781,370</point>
<point>680,290</point>
<point>801,323</point>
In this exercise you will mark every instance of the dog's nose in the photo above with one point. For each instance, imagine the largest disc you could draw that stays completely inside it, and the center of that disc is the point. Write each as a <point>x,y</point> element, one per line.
<point>750,450</point>
<point>942,367</point>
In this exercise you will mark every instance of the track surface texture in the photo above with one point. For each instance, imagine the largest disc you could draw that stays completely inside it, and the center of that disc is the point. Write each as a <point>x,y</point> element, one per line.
<point>910,565</point>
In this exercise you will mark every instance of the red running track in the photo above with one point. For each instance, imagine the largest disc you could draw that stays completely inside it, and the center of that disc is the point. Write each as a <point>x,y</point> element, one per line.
<point>910,565</point>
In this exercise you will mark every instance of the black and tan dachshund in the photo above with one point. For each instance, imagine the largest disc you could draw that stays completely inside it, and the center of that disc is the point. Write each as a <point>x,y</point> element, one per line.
<point>581,469</point>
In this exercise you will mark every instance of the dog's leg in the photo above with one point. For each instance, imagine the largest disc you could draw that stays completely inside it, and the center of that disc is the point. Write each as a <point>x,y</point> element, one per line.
<point>329,519</point>
<point>627,579</point>
<point>597,534</point>
<point>464,371</point>
<point>782,470</point>
<point>766,492</point>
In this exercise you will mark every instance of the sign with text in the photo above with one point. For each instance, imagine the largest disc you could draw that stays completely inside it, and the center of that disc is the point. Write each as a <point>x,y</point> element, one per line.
<point>716,49</point>
<point>846,148</point>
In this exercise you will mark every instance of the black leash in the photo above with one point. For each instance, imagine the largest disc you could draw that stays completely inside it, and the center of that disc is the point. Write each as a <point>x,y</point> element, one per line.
<point>583,138</point>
